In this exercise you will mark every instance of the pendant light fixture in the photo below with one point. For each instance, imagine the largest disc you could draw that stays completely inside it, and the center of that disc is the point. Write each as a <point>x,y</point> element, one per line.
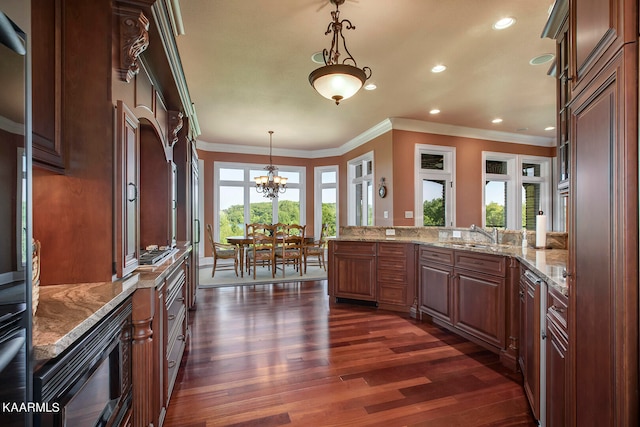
<point>338,79</point>
<point>271,185</point>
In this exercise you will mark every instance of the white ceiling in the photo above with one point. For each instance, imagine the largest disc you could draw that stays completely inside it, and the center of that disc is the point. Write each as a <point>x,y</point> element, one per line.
<point>247,64</point>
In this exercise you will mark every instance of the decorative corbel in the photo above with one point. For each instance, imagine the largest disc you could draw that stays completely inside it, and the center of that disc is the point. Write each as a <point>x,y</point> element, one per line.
<point>175,124</point>
<point>134,39</point>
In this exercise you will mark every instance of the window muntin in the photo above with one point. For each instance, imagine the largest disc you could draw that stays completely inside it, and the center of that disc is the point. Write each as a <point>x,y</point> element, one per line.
<point>326,199</point>
<point>512,200</point>
<point>435,192</point>
<point>360,190</point>
<point>237,202</point>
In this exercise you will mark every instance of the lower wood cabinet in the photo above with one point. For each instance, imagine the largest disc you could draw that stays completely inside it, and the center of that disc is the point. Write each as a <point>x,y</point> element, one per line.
<point>435,279</point>
<point>159,336</point>
<point>557,342</point>
<point>380,272</point>
<point>529,355</point>
<point>352,274</point>
<point>465,292</point>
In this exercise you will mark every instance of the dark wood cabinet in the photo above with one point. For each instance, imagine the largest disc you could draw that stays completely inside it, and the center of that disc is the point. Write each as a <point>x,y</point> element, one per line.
<point>465,292</point>
<point>352,274</point>
<point>603,247</point>
<point>435,287</point>
<point>47,141</point>
<point>479,296</point>
<point>556,344</point>
<point>395,276</point>
<point>126,191</point>
<point>529,356</point>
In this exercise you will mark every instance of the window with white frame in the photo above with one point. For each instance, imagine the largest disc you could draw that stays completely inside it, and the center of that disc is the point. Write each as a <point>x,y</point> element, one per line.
<point>237,202</point>
<point>326,199</point>
<point>435,192</point>
<point>360,194</point>
<point>516,188</point>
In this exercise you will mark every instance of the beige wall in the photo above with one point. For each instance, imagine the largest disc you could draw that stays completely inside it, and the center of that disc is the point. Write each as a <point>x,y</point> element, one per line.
<point>393,154</point>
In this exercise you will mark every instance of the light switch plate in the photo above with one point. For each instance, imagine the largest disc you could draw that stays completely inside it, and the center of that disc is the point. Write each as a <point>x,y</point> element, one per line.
<point>408,214</point>
<point>386,214</point>
<point>457,233</point>
<point>390,232</point>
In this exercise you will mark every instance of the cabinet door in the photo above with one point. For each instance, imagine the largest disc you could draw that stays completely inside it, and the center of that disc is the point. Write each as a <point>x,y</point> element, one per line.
<point>353,273</point>
<point>46,24</point>
<point>479,306</point>
<point>532,347</point>
<point>127,177</point>
<point>395,274</point>
<point>524,332</point>
<point>435,290</point>
<point>604,248</point>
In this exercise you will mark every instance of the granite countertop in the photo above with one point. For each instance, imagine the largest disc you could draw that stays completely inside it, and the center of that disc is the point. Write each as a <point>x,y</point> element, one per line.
<point>546,263</point>
<point>66,311</point>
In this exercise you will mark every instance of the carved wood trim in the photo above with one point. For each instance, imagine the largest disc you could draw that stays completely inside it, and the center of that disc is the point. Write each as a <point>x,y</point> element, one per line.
<point>134,39</point>
<point>175,125</point>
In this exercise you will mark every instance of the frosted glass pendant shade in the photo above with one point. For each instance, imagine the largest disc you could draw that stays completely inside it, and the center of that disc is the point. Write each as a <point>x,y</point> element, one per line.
<point>338,81</point>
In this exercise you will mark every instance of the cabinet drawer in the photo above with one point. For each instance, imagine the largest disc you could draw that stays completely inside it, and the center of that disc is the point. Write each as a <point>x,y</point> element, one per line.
<point>392,249</point>
<point>175,312</point>
<point>176,277</point>
<point>352,248</point>
<point>557,308</point>
<point>441,255</point>
<point>174,357</point>
<point>490,264</point>
<point>392,294</point>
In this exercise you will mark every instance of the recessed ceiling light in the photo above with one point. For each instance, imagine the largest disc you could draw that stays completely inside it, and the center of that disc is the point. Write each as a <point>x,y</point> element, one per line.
<point>434,111</point>
<point>370,86</point>
<point>550,128</point>
<point>542,59</point>
<point>318,58</point>
<point>438,68</point>
<point>504,23</point>
<point>496,121</point>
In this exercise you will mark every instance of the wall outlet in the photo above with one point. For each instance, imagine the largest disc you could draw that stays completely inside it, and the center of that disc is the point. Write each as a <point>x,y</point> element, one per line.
<point>408,214</point>
<point>457,234</point>
<point>390,232</point>
<point>386,214</point>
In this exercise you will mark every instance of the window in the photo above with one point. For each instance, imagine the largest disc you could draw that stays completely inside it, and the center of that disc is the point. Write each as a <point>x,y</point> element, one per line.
<point>435,168</point>
<point>516,187</point>
<point>237,202</point>
<point>361,190</point>
<point>326,198</point>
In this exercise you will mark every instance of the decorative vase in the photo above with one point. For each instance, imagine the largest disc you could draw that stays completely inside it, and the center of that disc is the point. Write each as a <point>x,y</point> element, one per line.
<point>35,283</point>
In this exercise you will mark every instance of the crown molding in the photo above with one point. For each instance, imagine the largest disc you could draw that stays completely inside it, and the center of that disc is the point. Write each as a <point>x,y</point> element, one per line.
<point>466,132</point>
<point>381,128</point>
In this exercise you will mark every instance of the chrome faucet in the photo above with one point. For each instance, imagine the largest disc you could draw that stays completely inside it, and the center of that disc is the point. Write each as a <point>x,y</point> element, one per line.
<point>493,235</point>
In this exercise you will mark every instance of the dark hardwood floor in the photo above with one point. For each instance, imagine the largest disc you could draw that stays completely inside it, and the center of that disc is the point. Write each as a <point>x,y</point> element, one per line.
<point>281,354</point>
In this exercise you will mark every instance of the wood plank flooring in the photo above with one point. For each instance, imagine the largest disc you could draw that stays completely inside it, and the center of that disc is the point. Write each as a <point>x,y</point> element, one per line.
<point>282,354</point>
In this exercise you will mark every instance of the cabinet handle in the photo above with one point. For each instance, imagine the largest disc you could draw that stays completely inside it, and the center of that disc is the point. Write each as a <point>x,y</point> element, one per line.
<point>557,309</point>
<point>565,274</point>
<point>132,198</point>
<point>181,299</point>
<point>171,316</point>
<point>171,364</point>
<point>544,336</point>
<point>197,239</point>
<point>521,294</point>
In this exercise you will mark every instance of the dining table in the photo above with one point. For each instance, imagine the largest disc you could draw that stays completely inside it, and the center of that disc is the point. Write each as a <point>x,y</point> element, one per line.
<point>242,242</point>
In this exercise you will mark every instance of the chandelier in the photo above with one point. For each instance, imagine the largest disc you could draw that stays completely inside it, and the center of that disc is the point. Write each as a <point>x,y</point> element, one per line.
<point>271,185</point>
<point>338,80</point>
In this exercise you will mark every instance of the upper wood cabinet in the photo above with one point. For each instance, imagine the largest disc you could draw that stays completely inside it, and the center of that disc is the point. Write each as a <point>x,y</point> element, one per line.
<point>126,191</point>
<point>47,57</point>
<point>598,29</point>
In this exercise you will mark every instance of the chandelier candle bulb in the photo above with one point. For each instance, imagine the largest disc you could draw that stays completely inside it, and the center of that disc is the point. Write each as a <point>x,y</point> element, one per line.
<point>541,230</point>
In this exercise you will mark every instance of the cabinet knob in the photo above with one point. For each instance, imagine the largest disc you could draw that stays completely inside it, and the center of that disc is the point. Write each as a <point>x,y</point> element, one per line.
<point>171,316</point>
<point>171,364</point>
<point>565,273</point>
<point>557,309</point>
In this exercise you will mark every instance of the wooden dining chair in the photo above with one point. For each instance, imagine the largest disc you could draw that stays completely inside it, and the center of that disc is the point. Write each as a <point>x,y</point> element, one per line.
<point>222,251</point>
<point>290,246</point>
<point>316,250</point>
<point>262,247</point>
